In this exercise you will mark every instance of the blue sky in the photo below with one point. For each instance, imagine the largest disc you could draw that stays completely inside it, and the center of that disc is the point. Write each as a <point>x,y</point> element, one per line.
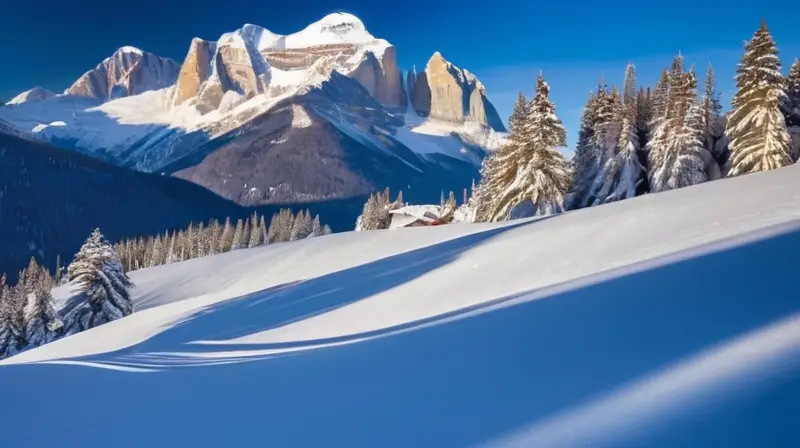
<point>505,43</point>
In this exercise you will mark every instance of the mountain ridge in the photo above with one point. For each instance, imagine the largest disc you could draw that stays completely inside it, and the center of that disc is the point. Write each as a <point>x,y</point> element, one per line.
<point>223,85</point>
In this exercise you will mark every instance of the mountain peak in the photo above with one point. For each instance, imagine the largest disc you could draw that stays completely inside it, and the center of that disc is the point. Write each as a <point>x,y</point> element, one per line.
<point>336,28</point>
<point>35,94</point>
<point>129,49</point>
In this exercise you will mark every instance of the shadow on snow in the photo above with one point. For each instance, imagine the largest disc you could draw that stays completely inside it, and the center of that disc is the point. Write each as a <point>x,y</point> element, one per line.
<point>456,383</point>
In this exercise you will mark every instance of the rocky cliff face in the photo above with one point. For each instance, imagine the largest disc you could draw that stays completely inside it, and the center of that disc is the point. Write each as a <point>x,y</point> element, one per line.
<point>382,78</point>
<point>195,70</point>
<point>129,71</point>
<point>446,92</point>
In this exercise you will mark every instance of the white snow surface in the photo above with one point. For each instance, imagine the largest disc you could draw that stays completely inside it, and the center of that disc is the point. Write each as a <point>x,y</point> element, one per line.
<point>659,321</point>
<point>34,94</point>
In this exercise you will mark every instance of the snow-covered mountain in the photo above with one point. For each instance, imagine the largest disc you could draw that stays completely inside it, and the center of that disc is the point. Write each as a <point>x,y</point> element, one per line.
<point>129,71</point>
<point>34,94</point>
<point>667,320</point>
<point>370,126</point>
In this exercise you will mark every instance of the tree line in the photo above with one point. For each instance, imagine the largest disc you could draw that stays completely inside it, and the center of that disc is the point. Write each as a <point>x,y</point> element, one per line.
<point>28,313</point>
<point>634,142</point>
<point>212,238</point>
<point>29,316</point>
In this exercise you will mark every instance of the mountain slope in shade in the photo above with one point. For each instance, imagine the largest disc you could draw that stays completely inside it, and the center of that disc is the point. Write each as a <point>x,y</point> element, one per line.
<point>51,199</point>
<point>472,334</point>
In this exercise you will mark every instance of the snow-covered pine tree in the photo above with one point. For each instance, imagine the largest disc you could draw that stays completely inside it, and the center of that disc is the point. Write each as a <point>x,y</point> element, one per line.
<point>246,229</point>
<point>629,85</point>
<point>316,228</point>
<point>522,108</point>
<point>792,102</point>
<point>586,161</point>
<point>711,107</point>
<point>8,338</point>
<point>791,107</point>
<point>191,242</point>
<point>326,230</point>
<point>172,256</point>
<point>41,320</point>
<point>264,229</point>
<point>213,232</point>
<point>256,232</point>
<point>622,171</point>
<point>756,128</point>
<point>104,289</point>
<point>363,221</point>
<point>662,126</point>
<point>236,242</point>
<point>499,168</point>
<point>683,160</point>
<point>644,113</point>
<point>226,239</point>
<point>157,253</point>
<point>542,175</point>
<point>605,139</point>
<point>299,227</point>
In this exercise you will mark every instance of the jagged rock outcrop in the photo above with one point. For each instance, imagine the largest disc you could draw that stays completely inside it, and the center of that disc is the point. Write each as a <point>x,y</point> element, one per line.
<point>240,67</point>
<point>446,92</point>
<point>381,77</point>
<point>129,71</point>
<point>195,70</point>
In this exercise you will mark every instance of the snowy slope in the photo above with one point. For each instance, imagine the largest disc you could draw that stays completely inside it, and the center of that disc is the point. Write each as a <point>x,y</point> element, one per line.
<point>663,321</point>
<point>34,94</point>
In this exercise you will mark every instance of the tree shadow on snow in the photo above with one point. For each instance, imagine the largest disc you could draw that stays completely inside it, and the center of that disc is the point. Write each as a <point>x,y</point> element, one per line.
<point>451,382</point>
<point>284,304</point>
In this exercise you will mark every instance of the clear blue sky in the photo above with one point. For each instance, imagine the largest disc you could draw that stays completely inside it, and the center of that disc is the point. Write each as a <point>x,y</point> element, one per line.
<point>505,43</point>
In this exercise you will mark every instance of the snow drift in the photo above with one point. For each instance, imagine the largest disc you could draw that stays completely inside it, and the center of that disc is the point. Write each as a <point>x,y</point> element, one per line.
<point>666,320</point>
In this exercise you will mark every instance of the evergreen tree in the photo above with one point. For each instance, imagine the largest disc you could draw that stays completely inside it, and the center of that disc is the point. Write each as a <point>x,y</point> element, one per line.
<point>246,230</point>
<point>644,114</point>
<point>680,159</point>
<point>190,242</point>
<point>629,86</point>
<point>713,126</point>
<point>298,228</point>
<point>104,288</point>
<point>226,239</point>
<point>316,228</point>
<point>214,232</point>
<point>41,320</point>
<point>9,333</point>
<point>791,105</point>
<point>236,243</point>
<point>522,108</point>
<point>541,175</point>
<point>756,128</point>
<point>172,256</point>
<point>326,230</point>
<point>256,233</point>
<point>622,171</point>
<point>586,161</point>
<point>264,229</point>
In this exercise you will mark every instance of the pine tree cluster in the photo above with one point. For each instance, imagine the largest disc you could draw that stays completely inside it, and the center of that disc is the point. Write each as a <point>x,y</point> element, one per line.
<point>640,140</point>
<point>208,239</point>
<point>376,214</point>
<point>529,169</point>
<point>28,316</point>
